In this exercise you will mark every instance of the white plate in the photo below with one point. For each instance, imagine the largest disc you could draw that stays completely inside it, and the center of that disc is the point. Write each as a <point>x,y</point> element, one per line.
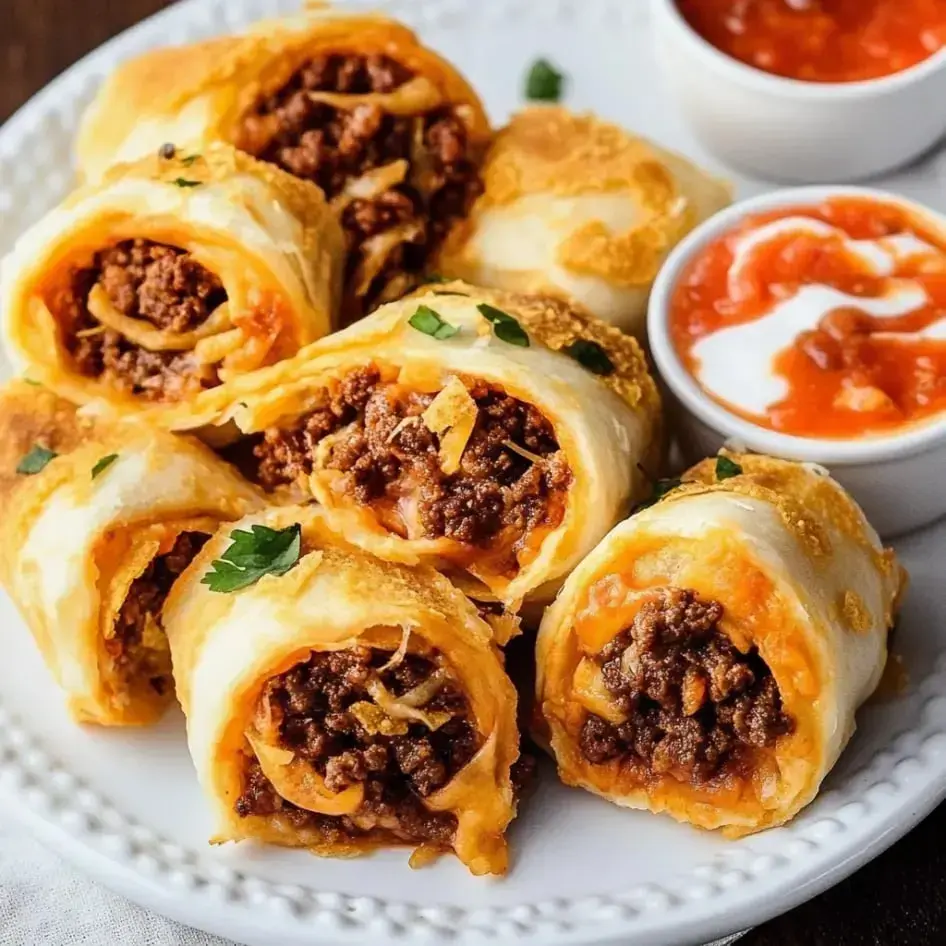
<point>125,807</point>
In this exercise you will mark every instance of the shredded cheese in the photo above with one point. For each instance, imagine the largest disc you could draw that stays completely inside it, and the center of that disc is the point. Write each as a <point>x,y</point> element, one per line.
<point>376,250</point>
<point>371,184</point>
<point>397,709</point>
<point>148,336</point>
<point>452,416</point>
<point>589,690</point>
<point>527,454</point>
<point>299,783</point>
<point>404,422</point>
<point>425,691</point>
<point>398,656</point>
<point>424,175</point>
<point>152,635</point>
<point>418,95</point>
<point>375,721</point>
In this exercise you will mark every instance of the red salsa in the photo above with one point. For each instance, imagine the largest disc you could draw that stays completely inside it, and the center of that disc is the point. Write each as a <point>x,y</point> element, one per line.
<point>841,371</point>
<point>822,40</point>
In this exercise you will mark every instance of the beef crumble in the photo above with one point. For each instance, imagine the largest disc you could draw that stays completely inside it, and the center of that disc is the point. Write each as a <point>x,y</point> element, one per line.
<point>143,280</point>
<point>695,705</point>
<point>332,146</point>
<point>385,456</point>
<point>313,703</point>
<point>132,650</point>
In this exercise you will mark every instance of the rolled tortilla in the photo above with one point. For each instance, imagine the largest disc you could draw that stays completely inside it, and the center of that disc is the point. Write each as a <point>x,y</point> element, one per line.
<point>152,289</point>
<point>708,657</point>
<point>578,207</point>
<point>32,415</point>
<point>345,704</point>
<point>354,102</point>
<point>90,544</point>
<point>491,452</point>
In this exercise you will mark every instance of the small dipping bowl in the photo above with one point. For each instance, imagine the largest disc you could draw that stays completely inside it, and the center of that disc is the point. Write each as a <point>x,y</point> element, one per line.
<point>796,131</point>
<point>899,478</point>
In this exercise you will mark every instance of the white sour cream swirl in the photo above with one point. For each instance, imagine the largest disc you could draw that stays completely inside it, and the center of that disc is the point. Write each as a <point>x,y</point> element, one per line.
<point>750,382</point>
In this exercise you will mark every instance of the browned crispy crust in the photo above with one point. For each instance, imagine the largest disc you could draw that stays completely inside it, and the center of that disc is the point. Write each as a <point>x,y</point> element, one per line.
<point>557,324</point>
<point>232,73</point>
<point>31,415</point>
<point>219,162</point>
<point>368,601</point>
<point>548,150</point>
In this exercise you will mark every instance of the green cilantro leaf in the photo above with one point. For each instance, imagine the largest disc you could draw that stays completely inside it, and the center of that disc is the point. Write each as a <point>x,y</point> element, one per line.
<point>428,321</point>
<point>35,460</point>
<point>103,464</point>
<point>660,488</point>
<point>591,355</point>
<point>251,555</point>
<point>436,278</point>
<point>505,327</point>
<point>35,384</point>
<point>544,82</point>
<point>183,182</point>
<point>726,468</point>
<point>190,159</point>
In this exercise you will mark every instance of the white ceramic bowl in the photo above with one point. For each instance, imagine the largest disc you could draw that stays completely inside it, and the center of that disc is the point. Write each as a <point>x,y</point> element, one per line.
<point>899,479</point>
<point>800,132</point>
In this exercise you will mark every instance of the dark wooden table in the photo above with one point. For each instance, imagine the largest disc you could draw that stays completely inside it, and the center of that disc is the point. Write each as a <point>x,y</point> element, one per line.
<point>898,900</point>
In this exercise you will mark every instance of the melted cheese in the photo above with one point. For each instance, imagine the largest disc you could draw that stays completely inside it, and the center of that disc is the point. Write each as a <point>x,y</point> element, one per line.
<point>818,613</point>
<point>452,416</point>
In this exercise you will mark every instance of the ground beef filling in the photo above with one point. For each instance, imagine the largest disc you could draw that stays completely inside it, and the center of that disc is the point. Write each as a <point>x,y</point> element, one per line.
<point>315,699</point>
<point>136,654</point>
<point>496,493</point>
<point>332,146</point>
<point>150,281</point>
<point>696,706</point>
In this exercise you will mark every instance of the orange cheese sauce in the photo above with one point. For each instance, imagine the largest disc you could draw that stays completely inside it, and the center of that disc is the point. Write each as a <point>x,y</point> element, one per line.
<point>848,373</point>
<point>822,40</point>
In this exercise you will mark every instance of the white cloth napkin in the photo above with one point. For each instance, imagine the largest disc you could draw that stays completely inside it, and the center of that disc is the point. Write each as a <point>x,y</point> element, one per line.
<point>44,902</point>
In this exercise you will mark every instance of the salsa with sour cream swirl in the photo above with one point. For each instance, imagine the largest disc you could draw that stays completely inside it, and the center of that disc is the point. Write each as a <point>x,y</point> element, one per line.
<point>821,321</point>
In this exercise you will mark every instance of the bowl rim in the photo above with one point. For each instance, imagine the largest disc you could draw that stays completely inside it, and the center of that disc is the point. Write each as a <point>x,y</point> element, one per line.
<point>919,438</point>
<point>785,87</point>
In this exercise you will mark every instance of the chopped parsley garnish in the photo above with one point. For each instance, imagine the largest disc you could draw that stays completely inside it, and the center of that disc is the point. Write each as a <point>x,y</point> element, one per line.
<point>36,460</point>
<point>167,151</point>
<point>661,488</point>
<point>35,384</point>
<point>726,468</point>
<point>251,555</point>
<point>103,464</point>
<point>544,82</point>
<point>183,182</point>
<point>591,355</point>
<point>428,321</point>
<point>505,327</point>
<point>437,277</point>
<point>190,159</point>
